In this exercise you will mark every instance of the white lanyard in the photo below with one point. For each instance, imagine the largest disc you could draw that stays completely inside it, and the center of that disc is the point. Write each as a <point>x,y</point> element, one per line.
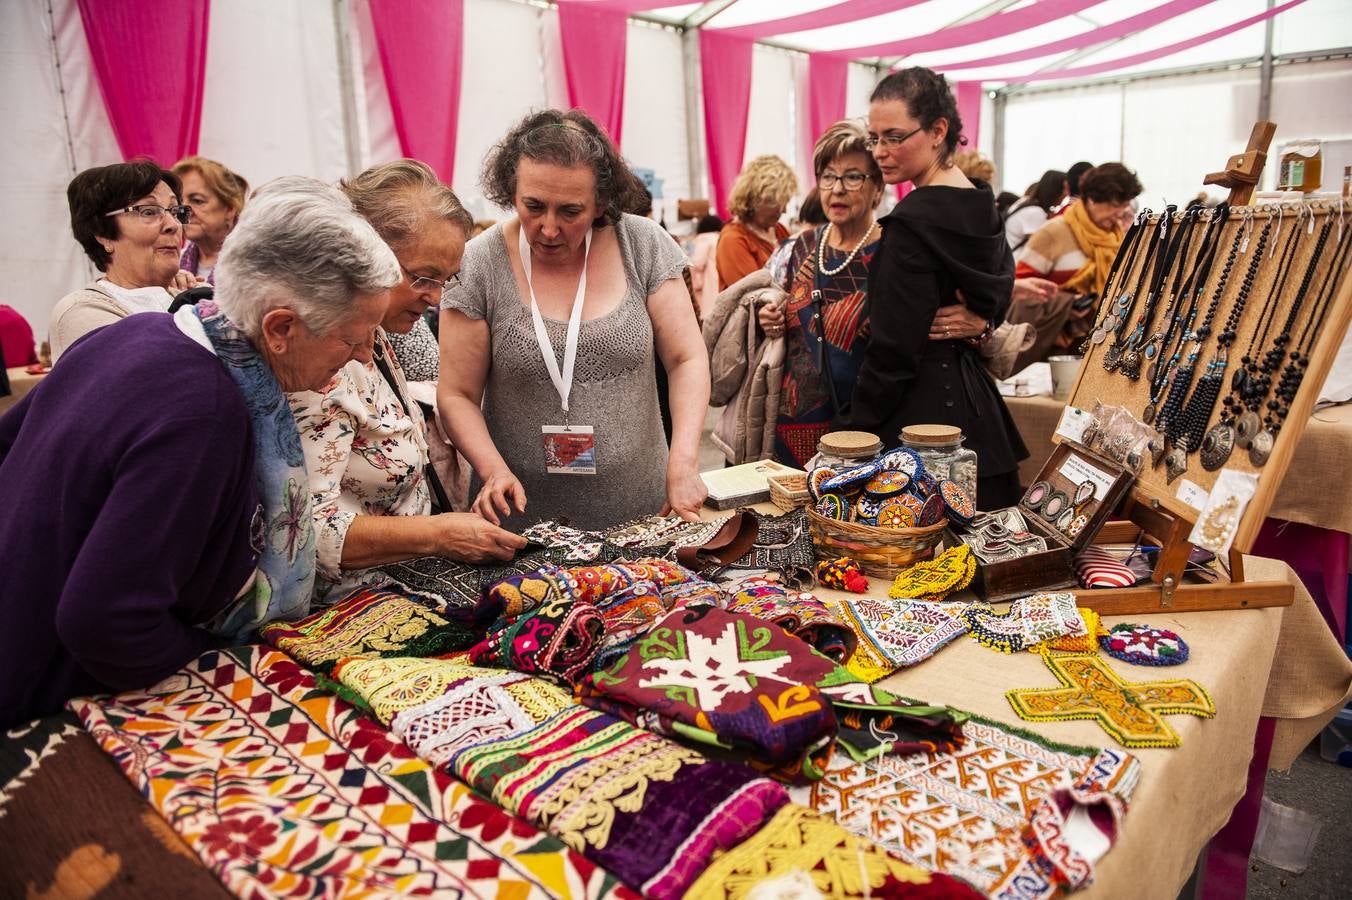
<point>563,383</point>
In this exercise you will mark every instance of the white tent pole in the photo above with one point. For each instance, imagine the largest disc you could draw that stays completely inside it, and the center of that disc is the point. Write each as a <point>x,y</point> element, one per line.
<point>694,112</point>
<point>347,87</point>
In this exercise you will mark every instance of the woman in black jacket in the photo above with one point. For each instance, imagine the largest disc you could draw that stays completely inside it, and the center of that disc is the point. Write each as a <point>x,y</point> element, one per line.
<point>942,244</point>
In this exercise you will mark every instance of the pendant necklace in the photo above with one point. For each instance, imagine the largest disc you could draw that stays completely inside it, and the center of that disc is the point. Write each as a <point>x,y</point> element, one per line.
<point>821,252</point>
<point>1239,406</point>
<point>1130,244</point>
<point>1130,362</point>
<point>1217,443</point>
<point>1126,303</point>
<point>1294,370</point>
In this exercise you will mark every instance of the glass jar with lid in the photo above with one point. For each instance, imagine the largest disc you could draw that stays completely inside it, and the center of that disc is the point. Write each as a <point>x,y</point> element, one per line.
<point>940,449</point>
<point>840,449</point>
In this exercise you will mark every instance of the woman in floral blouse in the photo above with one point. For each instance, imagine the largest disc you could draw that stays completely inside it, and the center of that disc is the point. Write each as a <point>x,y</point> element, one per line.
<point>364,437</point>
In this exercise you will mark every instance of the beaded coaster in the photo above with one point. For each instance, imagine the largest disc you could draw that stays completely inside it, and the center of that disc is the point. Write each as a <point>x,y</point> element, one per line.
<point>849,478</point>
<point>893,513</point>
<point>1130,711</point>
<point>931,512</point>
<point>935,579</point>
<point>887,483</point>
<point>834,506</point>
<point>817,478</point>
<point>959,505</point>
<point>1144,646</point>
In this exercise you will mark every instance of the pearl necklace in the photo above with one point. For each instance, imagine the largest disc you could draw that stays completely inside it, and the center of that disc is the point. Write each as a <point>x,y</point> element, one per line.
<point>821,251</point>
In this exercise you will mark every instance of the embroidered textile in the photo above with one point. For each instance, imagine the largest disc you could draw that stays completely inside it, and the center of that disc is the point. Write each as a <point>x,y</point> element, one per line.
<point>368,623</point>
<point>580,546</point>
<point>449,586</point>
<point>800,614</point>
<point>783,546</point>
<point>1078,643</point>
<point>732,681</point>
<point>286,791</point>
<point>645,809</point>
<point>1144,646</point>
<point>558,640</point>
<point>664,531</point>
<point>992,813</point>
<point>935,579</point>
<point>1130,711</point>
<point>893,635</point>
<point>1028,621</point>
<point>836,862</point>
<point>285,539</point>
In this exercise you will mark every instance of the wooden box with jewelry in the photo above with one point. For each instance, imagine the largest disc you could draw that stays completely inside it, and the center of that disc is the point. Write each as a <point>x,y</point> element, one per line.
<point>1216,330</point>
<point>1031,547</point>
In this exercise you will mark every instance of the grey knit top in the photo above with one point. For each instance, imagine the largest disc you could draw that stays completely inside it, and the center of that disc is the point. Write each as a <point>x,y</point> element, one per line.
<point>614,382</point>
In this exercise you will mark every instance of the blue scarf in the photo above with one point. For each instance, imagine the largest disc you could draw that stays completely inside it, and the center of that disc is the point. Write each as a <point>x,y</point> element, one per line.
<point>283,534</point>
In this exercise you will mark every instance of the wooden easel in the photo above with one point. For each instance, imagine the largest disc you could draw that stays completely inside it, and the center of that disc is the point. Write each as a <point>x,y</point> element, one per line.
<point>1151,509</point>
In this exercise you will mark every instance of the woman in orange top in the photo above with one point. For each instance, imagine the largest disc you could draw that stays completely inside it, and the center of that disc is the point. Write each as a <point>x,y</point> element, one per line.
<point>759,197</point>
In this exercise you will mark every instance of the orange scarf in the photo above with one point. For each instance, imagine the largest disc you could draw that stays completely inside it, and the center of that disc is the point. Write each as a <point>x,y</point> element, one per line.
<point>1098,244</point>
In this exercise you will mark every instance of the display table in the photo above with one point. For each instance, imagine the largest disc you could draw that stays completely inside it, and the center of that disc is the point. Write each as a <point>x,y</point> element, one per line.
<point>20,383</point>
<point>1304,495</point>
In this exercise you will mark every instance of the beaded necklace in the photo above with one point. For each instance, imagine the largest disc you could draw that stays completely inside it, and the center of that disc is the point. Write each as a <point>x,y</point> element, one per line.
<point>1294,371</point>
<point>1126,303</point>
<point>821,251</point>
<point>1134,353</point>
<point>1130,244</point>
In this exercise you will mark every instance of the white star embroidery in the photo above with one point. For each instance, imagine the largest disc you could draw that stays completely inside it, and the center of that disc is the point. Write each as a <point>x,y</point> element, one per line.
<point>712,669</point>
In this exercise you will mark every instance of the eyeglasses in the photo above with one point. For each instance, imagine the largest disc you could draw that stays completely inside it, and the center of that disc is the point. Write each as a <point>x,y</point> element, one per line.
<point>151,214</point>
<point>423,283</point>
<point>853,181</point>
<point>890,141</point>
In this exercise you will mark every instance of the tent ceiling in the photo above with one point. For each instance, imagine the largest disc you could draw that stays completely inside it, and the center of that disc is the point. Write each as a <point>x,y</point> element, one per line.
<point>1312,26</point>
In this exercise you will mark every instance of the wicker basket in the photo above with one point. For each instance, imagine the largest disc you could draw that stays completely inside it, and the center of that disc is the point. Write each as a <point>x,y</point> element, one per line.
<point>880,552</point>
<point>789,492</point>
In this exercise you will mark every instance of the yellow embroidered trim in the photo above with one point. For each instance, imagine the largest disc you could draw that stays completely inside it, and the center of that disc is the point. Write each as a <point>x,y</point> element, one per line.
<point>935,579</point>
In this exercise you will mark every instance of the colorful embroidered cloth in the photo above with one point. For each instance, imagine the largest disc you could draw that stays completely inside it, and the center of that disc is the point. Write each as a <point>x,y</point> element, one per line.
<point>783,546</point>
<point>556,641</point>
<point>1028,621</point>
<point>802,854</point>
<point>1131,711</point>
<point>450,586</point>
<point>800,614</point>
<point>993,813</point>
<point>368,623</point>
<point>891,635</point>
<point>935,579</point>
<point>728,680</point>
<point>1144,645</point>
<point>286,791</point>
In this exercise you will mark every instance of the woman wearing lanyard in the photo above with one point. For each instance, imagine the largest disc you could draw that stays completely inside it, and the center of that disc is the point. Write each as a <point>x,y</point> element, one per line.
<point>547,382</point>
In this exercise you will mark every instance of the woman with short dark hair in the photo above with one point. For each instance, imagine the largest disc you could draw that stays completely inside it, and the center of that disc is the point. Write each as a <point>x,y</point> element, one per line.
<point>942,245</point>
<point>547,342</point>
<point>129,221</point>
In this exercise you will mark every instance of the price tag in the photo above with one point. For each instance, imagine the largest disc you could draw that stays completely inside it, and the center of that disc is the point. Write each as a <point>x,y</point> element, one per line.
<point>1074,421</point>
<point>1192,494</point>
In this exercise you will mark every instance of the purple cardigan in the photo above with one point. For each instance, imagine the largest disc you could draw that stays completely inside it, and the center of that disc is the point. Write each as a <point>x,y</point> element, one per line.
<point>126,497</point>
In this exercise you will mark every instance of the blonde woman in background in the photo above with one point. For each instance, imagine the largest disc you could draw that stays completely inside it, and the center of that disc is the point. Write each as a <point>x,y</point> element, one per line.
<point>216,197</point>
<point>759,198</point>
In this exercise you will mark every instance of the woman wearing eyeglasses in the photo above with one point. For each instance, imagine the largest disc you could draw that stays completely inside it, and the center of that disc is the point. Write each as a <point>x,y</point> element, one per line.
<point>943,244</point>
<point>364,435</point>
<point>128,219</point>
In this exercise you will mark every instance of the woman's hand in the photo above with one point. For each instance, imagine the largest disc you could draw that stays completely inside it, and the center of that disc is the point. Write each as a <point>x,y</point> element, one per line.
<point>183,281</point>
<point>685,492</point>
<point>465,537</point>
<point>1034,290</point>
<point>501,492</point>
<point>956,322</point>
<point>772,317</point>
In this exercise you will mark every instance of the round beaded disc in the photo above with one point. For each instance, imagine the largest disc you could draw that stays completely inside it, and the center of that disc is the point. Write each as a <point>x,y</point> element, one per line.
<point>1144,646</point>
<point>866,510</point>
<point>902,459</point>
<point>817,478</point>
<point>887,483</point>
<point>893,513</point>
<point>849,478</point>
<point>932,511</point>
<point>957,501</point>
<point>834,506</point>
<point>914,504</point>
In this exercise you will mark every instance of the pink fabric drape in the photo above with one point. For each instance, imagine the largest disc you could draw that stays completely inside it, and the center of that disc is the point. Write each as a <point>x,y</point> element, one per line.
<point>150,60</point>
<point>826,79</point>
<point>725,68</point>
<point>998,25</point>
<point>421,43</point>
<point>595,37</point>
<point>968,94</point>
<point>836,14</point>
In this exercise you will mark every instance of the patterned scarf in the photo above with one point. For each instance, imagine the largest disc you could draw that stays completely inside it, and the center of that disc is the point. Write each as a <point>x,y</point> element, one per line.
<point>1098,244</point>
<point>283,533</point>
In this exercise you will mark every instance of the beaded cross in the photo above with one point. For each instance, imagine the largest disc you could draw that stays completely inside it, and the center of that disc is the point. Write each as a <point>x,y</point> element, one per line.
<point>1130,711</point>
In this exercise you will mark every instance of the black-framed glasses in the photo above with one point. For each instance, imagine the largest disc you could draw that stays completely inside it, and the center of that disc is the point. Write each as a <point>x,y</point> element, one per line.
<point>890,141</point>
<point>853,181</point>
<point>424,283</point>
<point>151,213</point>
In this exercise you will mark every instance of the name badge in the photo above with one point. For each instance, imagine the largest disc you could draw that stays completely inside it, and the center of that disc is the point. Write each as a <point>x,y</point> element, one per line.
<point>569,449</point>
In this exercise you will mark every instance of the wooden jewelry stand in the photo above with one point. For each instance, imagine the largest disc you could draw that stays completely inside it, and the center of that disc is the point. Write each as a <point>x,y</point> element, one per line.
<point>1151,508</point>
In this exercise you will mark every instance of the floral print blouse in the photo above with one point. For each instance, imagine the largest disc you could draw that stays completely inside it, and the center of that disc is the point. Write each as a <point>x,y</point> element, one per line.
<point>365,450</point>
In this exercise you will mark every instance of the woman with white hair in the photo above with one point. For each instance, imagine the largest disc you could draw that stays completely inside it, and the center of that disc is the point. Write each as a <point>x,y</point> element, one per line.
<point>155,488</point>
<point>363,434</point>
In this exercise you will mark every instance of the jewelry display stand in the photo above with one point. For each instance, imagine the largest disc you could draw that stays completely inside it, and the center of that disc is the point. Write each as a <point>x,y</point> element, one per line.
<point>1251,301</point>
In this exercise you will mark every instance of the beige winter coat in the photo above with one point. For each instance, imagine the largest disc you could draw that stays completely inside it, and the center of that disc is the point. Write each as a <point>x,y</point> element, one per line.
<point>746,370</point>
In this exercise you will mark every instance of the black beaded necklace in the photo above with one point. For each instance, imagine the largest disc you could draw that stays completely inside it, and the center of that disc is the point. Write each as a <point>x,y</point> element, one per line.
<point>1130,244</point>
<point>1180,322</point>
<point>1294,371</point>
<point>1130,361</point>
<point>1217,443</point>
<point>1126,303</point>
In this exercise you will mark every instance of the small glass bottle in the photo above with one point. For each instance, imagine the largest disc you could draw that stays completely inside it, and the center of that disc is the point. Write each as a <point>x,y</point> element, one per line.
<point>841,449</point>
<point>941,450</point>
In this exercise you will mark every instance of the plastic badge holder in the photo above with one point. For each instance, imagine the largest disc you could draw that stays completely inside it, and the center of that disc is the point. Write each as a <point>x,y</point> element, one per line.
<point>1335,741</point>
<point>1286,837</point>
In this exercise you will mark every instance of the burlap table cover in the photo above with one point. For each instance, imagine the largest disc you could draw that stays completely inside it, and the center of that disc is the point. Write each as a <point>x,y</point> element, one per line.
<point>20,383</point>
